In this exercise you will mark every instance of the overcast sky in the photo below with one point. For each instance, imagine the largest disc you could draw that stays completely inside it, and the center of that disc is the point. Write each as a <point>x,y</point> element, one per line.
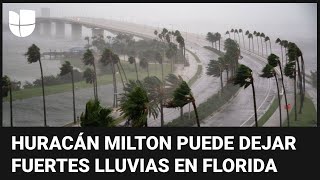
<point>277,19</point>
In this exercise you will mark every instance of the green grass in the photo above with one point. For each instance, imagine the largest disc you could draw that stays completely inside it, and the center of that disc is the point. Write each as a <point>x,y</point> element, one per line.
<point>155,70</point>
<point>196,76</point>
<point>205,109</point>
<point>308,117</point>
<point>273,107</point>
<point>194,55</point>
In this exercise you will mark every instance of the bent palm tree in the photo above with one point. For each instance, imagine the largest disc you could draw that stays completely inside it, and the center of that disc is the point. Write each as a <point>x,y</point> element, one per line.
<point>135,106</point>
<point>244,78</point>
<point>227,32</point>
<point>66,69</point>
<point>218,37</point>
<point>88,75</point>
<point>280,43</point>
<point>132,60</point>
<point>262,36</point>
<point>215,68</point>
<point>96,116</point>
<point>108,57</point>
<point>268,72</point>
<point>88,59</point>
<point>244,45</point>
<point>33,55</point>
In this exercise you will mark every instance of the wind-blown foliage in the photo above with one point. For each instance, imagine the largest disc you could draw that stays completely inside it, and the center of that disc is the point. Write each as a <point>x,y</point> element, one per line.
<point>96,116</point>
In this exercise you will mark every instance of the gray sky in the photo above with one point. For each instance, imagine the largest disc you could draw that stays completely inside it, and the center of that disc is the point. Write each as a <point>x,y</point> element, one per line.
<point>284,20</point>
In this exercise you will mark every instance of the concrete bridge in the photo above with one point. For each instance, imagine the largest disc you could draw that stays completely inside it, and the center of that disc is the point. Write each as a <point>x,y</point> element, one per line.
<point>45,24</point>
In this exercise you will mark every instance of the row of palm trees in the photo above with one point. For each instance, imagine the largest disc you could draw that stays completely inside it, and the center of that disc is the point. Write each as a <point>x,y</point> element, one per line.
<point>291,70</point>
<point>214,38</point>
<point>90,74</point>
<point>258,35</point>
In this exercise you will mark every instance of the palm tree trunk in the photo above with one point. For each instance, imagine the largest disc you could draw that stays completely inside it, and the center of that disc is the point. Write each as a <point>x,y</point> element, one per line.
<point>270,46</point>
<point>95,80</point>
<point>121,76</point>
<point>124,73</point>
<point>146,123</point>
<point>261,46</point>
<point>279,99</point>
<point>219,44</point>
<point>10,93</point>
<point>229,35</point>
<point>181,113</point>
<point>115,103</point>
<point>282,55</point>
<point>73,99</point>
<point>258,45</point>
<point>300,87</point>
<point>252,45</point>
<point>266,49</point>
<point>212,44</point>
<point>303,78</point>
<point>254,103</point>
<point>135,66</point>
<point>285,50</point>
<point>196,112</point>
<point>239,39</point>
<point>249,45</point>
<point>43,96</point>
<point>285,94</point>
<point>215,44</point>
<point>244,44</point>
<point>295,92</point>
<point>234,36</point>
<point>221,81</point>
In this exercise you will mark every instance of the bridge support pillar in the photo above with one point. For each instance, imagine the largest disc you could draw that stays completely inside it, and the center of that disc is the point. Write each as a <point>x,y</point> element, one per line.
<point>97,32</point>
<point>60,30</point>
<point>46,29</point>
<point>37,30</point>
<point>76,31</point>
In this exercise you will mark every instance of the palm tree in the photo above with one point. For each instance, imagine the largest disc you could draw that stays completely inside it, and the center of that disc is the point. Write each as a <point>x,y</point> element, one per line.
<point>274,61</point>
<point>280,43</point>
<point>96,116</point>
<point>210,38</point>
<point>250,36</point>
<point>285,45</point>
<point>108,57</point>
<point>7,87</point>
<point>244,78</point>
<point>135,105</point>
<point>240,31</point>
<point>218,37</point>
<point>182,96</point>
<point>291,71</point>
<point>132,60</point>
<point>88,59</point>
<point>227,32</point>
<point>257,34</point>
<point>159,59</point>
<point>232,31</point>
<point>215,68</point>
<point>66,68</point>
<point>262,36</point>
<point>89,77</point>
<point>268,72</point>
<point>144,64</point>
<point>33,55</point>
<point>236,31</point>
<point>247,34</point>
<point>265,40</point>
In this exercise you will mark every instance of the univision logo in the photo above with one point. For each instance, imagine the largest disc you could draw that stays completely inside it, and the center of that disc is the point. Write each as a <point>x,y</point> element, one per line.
<point>23,24</point>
